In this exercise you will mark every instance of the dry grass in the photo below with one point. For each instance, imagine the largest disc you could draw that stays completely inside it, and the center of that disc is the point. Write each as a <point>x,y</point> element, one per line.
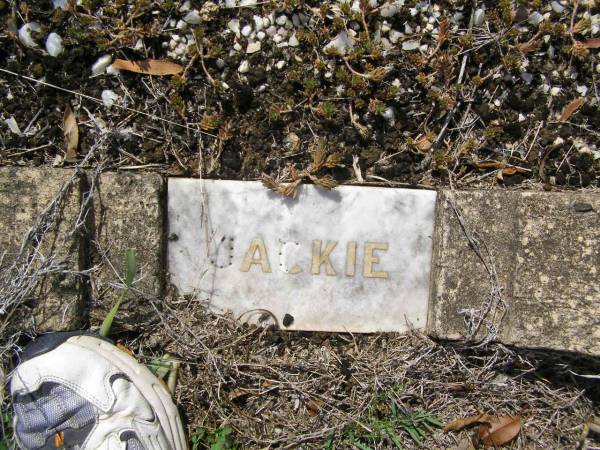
<point>279,389</point>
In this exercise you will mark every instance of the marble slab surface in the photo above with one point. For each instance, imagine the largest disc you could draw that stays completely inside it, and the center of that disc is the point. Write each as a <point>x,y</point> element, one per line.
<point>352,259</point>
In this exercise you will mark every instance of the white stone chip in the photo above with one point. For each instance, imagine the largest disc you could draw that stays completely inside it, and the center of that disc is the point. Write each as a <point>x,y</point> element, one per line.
<point>54,45</point>
<point>101,64</point>
<point>25,33</point>
<point>193,17</point>
<point>410,45</point>
<point>234,25</point>
<point>394,36</point>
<point>349,271</point>
<point>244,67</point>
<point>13,125</point>
<point>258,23</point>
<point>246,30</point>
<point>253,47</point>
<point>478,17</point>
<point>557,7</point>
<point>293,41</point>
<point>109,97</point>
<point>535,18</point>
<point>340,44</point>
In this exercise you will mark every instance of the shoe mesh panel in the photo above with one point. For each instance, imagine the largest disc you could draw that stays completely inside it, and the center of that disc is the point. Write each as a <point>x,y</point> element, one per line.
<point>134,444</point>
<point>51,409</point>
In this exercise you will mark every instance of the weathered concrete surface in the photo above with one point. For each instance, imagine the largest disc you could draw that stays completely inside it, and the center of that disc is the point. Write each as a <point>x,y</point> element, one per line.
<point>128,213</point>
<point>25,193</point>
<point>546,251</point>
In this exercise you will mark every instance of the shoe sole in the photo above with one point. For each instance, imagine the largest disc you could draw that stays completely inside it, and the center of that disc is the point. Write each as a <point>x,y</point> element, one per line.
<point>151,388</point>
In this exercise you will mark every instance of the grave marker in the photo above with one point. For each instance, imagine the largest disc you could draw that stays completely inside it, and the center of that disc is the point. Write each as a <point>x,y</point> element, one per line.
<point>351,259</point>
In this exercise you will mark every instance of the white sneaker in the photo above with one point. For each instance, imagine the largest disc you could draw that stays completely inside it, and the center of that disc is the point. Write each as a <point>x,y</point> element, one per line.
<point>80,392</point>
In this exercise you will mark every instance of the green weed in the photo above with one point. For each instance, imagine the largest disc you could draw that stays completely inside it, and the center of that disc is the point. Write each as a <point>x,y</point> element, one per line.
<point>219,439</point>
<point>386,421</point>
<point>129,274</point>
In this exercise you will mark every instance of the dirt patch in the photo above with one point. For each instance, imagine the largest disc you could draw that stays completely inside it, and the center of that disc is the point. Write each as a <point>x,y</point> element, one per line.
<point>450,92</point>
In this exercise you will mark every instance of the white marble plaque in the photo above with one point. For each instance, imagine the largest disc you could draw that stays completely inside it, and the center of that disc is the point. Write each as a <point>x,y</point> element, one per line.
<point>352,259</point>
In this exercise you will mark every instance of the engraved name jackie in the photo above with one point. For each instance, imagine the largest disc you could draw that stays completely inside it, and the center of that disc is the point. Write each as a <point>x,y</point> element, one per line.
<point>257,255</point>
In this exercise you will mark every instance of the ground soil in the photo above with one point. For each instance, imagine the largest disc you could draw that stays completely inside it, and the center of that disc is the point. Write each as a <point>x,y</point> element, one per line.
<point>480,106</point>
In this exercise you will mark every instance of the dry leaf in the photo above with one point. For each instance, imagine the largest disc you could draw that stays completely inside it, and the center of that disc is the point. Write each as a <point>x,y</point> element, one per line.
<point>592,43</point>
<point>318,157</point>
<point>459,424</point>
<point>499,430</point>
<point>333,160</point>
<point>443,33</point>
<point>148,66</point>
<point>423,144</point>
<point>326,182</point>
<point>570,109</point>
<point>70,133</point>
<point>491,165</point>
<point>530,46</point>
<point>237,393</point>
<point>124,349</point>
<point>287,189</point>
<point>313,407</point>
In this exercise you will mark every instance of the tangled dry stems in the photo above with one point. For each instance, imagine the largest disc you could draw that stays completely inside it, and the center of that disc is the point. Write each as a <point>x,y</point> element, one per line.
<point>281,389</point>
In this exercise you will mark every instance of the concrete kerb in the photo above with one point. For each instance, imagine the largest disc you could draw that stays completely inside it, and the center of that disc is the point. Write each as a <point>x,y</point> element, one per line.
<point>537,267</point>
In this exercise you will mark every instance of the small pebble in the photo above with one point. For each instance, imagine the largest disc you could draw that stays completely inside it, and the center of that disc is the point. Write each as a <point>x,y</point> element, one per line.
<point>185,7</point>
<point>258,23</point>
<point>234,25</point>
<point>220,63</point>
<point>193,18</point>
<point>478,17</point>
<point>244,67</point>
<point>293,42</point>
<point>246,30</point>
<point>410,45</point>
<point>109,97</point>
<point>253,47</point>
<point>272,31</point>
<point>25,33</point>
<point>54,45</point>
<point>557,7</point>
<point>101,64</point>
<point>395,36</point>
<point>280,64</point>
<point>281,20</point>
<point>535,18</point>
<point>237,47</point>
<point>181,25</point>
<point>260,35</point>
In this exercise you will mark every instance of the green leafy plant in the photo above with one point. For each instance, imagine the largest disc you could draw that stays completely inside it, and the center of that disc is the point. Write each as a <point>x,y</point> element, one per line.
<point>131,264</point>
<point>386,421</point>
<point>219,439</point>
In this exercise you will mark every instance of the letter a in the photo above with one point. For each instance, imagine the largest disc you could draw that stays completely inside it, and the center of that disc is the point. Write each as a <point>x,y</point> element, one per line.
<point>262,260</point>
<point>319,258</point>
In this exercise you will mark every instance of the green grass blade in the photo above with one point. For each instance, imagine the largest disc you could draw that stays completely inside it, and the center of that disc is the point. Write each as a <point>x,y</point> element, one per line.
<point>131,267</point>
<point>130,273</point>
